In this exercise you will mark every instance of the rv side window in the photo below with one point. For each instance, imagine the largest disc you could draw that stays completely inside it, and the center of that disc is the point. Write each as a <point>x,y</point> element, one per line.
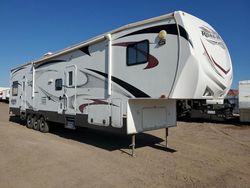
<point>137,53</point>
<point>15,88</point>
<point>70,78</point>
<point>58,84</point>
<point>23,86</point>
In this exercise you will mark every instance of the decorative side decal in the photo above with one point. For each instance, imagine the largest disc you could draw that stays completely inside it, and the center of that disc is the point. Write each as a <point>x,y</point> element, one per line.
<point>93,81</point>
<point>95,102</point>
<point>170,29</point>
<point>213,62</point>
<point>131,89</point>
<point>85,50</point>
<point>18,69</point>
<point>50,96</point>
<point>49,62</point>
<point>152,62</point>
<point>13,72</point>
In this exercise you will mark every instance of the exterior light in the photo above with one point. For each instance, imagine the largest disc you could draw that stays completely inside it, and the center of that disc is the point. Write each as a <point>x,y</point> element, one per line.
<point>162,36</point>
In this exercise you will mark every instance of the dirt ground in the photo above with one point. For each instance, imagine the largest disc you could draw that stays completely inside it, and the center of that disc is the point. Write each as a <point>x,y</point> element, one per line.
<point>199,155</point>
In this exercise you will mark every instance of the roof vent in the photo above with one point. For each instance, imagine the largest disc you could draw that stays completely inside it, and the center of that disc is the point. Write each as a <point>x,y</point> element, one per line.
<point>48,54</point>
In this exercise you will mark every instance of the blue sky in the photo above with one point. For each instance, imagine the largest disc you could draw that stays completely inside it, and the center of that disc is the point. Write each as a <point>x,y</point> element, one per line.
<point>30,28</point>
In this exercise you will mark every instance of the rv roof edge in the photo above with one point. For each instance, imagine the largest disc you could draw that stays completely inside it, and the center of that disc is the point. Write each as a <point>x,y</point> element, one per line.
<point>150,20</point>
<point>97,39</point>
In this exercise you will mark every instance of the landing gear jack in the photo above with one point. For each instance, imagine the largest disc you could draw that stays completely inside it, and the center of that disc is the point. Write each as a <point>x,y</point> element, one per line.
<point>133,146</point>
<point>133,142</point>
<point>166,138</point>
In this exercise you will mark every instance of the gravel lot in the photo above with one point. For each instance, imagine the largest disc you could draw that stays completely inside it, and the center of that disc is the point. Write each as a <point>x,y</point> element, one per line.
<point>199,155</point>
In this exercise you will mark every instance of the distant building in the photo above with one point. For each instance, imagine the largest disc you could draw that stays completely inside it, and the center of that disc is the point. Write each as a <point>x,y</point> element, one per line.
<point>233,93</point>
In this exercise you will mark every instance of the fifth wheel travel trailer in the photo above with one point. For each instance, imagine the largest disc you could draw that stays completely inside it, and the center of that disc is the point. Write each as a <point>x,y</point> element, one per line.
<point>4,93</point>
<point>126,80</point>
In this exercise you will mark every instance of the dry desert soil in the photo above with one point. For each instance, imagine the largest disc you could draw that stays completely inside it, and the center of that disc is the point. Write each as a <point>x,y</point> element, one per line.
<point>198,155</point>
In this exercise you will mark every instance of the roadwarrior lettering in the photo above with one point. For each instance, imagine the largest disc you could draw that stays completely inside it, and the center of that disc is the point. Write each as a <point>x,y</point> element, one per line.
<point>210,35</point>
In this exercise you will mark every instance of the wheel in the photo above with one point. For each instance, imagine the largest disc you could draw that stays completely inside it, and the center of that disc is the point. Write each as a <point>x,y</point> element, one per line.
<point>43,125</point>
<point>29,122</point>
<point>22,118</point>
<point>35,123</point>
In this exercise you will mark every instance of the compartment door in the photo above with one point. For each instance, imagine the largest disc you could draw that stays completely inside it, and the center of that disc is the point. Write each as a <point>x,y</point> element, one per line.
<point>154,117</point>
<point>116,113</point>
<point>98,112</point>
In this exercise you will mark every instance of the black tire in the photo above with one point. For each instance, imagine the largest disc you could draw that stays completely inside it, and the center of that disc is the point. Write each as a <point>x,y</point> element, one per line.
<point>29,123</point>
<point>23,119</point>
<point>35,123</point>
<point>43,125</point>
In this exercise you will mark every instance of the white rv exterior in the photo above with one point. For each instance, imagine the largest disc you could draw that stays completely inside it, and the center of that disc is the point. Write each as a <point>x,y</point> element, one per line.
<point>126,80</point>
<point>4,93</point>
<point>244,100</point>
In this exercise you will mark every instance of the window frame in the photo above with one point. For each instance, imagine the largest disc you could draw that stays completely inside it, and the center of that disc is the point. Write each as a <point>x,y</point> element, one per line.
<point>14,83</point>
<point>23,86</point>
<point>58,88</point>
<point>70,78</point>
<point>134,44</point>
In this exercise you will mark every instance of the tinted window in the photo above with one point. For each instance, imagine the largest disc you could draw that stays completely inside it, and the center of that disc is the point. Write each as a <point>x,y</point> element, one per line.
<point>23,86</point>
<point>58,84</point>
<point>137,53</point>
<point>70,78</point>
<point>131,56</point>
<point>15,88</point>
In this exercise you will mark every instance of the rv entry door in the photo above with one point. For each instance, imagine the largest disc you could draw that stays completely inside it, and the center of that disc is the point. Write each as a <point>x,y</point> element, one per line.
<point>70,89</point>
<point>23,95</point>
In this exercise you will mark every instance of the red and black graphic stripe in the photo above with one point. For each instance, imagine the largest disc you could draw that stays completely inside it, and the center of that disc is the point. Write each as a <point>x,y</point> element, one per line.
<point>18,69</point>
<point>169,28</point>
<point>131,89</point>
<point>95,102</point>
<point>213,62</point>
<point>49,62</point>
<point>85,50</point>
